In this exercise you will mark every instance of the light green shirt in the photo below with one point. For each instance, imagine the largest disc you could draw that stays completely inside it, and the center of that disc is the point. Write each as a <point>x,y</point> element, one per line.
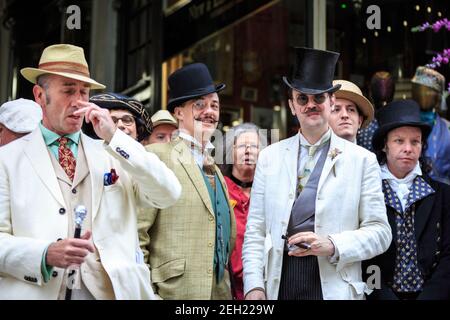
<point>51,140</point>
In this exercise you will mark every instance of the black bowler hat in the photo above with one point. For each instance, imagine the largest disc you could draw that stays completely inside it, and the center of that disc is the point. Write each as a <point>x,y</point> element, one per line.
<point>189,82</point>
<point>397,114</point>
<point>313,71</point>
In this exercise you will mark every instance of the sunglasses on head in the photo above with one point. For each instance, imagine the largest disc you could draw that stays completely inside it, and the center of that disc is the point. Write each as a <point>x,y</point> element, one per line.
<point>302,99</point>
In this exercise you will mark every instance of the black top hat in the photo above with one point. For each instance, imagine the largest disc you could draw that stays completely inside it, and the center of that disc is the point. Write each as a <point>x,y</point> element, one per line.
<point>397,114</point>
<point>114,101</point>
<point>313,71</point>
<point>191,81</point>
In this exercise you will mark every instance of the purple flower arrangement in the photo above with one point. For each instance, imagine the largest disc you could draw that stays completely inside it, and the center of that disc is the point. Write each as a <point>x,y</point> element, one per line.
<point>442,58</point>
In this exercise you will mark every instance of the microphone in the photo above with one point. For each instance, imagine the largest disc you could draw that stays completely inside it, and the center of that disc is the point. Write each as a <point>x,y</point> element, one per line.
<point>80,215</point>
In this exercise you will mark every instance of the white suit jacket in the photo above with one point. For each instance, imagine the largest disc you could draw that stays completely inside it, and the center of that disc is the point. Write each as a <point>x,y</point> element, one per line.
<point>30,200</point>
<point>349,208</point>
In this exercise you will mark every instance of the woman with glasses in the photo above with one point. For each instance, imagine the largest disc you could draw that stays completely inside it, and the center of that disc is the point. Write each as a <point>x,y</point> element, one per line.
<point>128,114</point>
<point>242,146</point>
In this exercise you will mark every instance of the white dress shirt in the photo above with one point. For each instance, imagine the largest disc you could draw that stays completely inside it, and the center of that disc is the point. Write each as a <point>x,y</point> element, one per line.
<point>198,147</point>
<point>401,186</point>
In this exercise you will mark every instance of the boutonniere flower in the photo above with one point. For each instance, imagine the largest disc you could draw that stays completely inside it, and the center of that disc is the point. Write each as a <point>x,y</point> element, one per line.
<point>333,154</point>
<point>233,203</point>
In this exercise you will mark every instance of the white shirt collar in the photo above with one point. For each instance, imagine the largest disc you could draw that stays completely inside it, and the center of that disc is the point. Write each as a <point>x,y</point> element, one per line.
<point>323,138</point>
<point>401,186</point>
<point>387,175</point>
<point>197,151</point>
<point>209,146</point>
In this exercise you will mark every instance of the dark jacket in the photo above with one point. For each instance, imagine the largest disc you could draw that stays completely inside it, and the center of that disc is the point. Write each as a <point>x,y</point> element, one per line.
<point>432,230</point>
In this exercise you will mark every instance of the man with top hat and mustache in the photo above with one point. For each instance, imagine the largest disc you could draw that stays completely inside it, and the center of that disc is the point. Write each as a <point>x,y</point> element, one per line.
<point>188,245</point>
<point>57,171</point>
<point>317,207</point>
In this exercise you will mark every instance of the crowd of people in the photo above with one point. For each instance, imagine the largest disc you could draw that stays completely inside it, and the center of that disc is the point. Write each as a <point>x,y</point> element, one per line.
<point>99,200</point>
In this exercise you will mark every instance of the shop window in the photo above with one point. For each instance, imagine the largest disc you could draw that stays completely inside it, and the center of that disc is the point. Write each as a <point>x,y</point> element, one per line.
<point>393,47</point>
<point>250,56</point>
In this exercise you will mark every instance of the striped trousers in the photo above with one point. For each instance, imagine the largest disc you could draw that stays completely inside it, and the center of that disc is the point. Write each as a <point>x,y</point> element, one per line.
<point>300,279</point>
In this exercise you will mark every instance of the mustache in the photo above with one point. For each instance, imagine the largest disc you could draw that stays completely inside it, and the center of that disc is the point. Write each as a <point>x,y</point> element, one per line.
<point>311,110</point>
<point>206,118</point>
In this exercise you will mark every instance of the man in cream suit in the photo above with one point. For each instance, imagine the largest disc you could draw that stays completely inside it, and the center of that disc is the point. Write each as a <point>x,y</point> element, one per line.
<point>48,173</point>
<point>321,193</point>
<point>190,242</point>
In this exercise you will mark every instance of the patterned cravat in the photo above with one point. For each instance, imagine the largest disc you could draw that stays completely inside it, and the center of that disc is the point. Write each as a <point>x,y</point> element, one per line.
<point>309,166</point>
<point>209,169</point>
<point>66,158</point>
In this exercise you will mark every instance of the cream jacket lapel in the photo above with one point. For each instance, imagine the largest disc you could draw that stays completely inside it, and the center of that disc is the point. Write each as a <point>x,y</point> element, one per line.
<point>36,152</point>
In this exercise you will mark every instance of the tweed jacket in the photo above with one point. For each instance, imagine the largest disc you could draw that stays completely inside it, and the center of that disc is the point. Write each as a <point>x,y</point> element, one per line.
<point>178,242</point>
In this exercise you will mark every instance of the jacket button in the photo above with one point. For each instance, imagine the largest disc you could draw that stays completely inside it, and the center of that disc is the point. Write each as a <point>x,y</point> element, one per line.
<point>74,191</point>
<point>55,274</point>
<point>209,244</point>
<point>62,211</point>
<point>209,271</point>
<point>210,218</point>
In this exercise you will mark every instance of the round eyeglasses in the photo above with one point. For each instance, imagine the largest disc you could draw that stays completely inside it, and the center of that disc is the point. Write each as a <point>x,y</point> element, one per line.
<point>126,120</point>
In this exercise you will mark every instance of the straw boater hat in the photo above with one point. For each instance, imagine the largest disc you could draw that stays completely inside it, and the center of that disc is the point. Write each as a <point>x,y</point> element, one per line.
<point>163,117</point>
<point>351,91</point>
<point>63,60</point>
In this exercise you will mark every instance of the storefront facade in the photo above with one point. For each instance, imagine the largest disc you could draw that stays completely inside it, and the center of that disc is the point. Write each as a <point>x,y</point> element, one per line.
<point>132,46</point>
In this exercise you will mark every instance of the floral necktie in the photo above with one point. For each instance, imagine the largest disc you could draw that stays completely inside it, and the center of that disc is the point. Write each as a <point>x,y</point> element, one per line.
<point>66,158</point>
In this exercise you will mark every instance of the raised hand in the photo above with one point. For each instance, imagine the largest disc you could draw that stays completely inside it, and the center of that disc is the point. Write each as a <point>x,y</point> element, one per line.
<point>100,118</point>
